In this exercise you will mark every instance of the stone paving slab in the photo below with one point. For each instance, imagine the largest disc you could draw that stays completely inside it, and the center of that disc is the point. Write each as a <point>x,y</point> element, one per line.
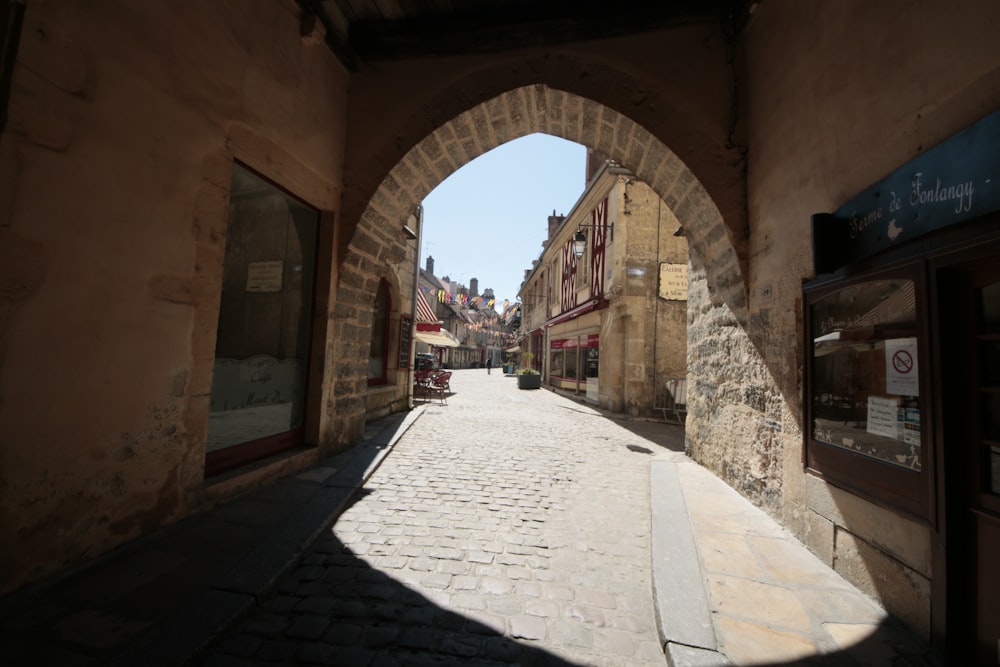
<point>485,539</point>
<point>773,601</point>
<point>480,540</point>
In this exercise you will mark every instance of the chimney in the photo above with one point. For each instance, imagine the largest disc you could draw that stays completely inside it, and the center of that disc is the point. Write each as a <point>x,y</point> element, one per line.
<point>595,160</point>
<point>554,222</point>
<point>473,287</point>
<point>430,265</point>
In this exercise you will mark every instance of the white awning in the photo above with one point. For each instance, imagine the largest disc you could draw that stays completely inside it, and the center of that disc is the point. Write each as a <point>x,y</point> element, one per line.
<point>440,338</point>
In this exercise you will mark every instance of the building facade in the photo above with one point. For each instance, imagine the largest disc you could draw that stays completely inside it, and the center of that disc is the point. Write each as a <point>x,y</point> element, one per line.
<point>168,172</point>
<point>472,330</point>
<point>610,322</point>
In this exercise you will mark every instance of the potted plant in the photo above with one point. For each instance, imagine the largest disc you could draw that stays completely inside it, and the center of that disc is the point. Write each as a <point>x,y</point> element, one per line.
<point>528,377</point>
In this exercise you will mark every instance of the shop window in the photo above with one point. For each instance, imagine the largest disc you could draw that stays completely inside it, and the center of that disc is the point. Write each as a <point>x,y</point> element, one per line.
<point>864,405</point>
<point>258,395</point>
<point>564,360</point>
<point>570,363</point>
<point>556,363</point>
<point>378,353</point>
<point>593,361</point>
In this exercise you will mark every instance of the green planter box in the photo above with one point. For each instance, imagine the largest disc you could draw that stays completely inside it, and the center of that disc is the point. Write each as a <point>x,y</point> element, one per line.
<point>529,381</point>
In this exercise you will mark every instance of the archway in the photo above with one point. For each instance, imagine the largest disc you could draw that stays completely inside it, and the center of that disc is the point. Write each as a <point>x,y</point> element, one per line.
<point>509,116</point>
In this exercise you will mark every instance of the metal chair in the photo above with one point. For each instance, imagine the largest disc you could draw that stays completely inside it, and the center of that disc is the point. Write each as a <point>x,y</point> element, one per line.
<point>440,384</point>
<point>674,400</point>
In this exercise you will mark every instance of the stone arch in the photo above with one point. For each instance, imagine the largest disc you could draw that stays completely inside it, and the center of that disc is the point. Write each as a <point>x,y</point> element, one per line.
<point>530,109</point>
<point>506,117</point>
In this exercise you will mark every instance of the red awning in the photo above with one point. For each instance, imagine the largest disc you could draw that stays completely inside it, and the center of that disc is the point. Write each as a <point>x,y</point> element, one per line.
<point>574,312</point>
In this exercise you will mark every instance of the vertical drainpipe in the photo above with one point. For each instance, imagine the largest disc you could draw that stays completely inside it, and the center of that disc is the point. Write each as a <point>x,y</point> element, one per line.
<point>656,299</point>
<point>416,221</point>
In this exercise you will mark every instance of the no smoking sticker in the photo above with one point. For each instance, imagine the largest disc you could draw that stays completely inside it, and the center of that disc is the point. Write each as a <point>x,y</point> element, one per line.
<point>901,376</point>
<point>902,361</point>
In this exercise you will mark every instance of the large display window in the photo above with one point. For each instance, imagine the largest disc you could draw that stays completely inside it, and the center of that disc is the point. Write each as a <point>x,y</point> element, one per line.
<point>865,407</point>
<point>563,359</point>
<point>258,396</point>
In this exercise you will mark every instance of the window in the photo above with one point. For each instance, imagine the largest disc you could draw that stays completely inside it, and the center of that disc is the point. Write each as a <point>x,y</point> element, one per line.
<point>863,400</point>
<point>258,396</point>
<point>570,363</point>
<point>592,351</point>
<point>865,395</point>
<point>379,351</point>
<point>556,364</point>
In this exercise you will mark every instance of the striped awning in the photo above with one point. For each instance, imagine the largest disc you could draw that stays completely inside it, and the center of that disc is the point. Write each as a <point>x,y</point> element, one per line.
<point>424,311</point>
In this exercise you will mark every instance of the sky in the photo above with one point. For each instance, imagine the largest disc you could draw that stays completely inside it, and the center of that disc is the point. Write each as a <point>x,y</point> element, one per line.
<point>489,218</point>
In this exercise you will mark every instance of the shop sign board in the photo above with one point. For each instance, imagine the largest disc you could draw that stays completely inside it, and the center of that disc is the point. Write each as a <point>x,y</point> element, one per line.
<point>673,282</point>
<point>955,181</point>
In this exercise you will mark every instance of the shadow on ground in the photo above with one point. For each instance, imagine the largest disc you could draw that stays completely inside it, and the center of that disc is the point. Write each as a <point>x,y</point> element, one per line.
<point>334,608</point>
<point>665,434</point>
<point>668,436</point>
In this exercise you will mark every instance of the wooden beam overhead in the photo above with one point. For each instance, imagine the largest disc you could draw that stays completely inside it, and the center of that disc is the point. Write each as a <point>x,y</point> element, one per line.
<point>523,27</point>
<point>359,31</point>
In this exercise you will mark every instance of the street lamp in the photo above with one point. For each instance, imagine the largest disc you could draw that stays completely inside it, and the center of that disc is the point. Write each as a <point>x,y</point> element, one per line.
<point>580,239</point>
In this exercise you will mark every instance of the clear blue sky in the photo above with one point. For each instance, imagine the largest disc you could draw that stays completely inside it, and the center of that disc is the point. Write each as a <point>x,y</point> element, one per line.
<point>489,218</point>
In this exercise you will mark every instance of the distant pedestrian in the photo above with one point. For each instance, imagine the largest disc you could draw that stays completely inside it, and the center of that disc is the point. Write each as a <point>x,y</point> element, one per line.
<point>489,365</point>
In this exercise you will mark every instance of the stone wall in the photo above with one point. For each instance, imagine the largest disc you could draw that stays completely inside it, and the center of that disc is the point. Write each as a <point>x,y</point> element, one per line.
<point>125,119</point>
<point>734,423</point>
<point>870,86</point>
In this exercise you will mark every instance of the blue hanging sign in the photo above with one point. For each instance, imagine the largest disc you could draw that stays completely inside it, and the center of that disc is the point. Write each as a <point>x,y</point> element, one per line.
<point>955,181</point>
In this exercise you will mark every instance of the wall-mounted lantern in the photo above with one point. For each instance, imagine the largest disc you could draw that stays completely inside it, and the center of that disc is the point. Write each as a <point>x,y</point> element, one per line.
<point>580,239</point>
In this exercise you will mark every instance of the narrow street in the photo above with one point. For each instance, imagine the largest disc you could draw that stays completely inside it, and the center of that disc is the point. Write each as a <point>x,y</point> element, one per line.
<point>506,526</point>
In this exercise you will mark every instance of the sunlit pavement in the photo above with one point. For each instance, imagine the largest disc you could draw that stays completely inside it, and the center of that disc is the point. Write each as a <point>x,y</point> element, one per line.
<point>514,527</point>
<point>502,527</point>
<point>505,527</point>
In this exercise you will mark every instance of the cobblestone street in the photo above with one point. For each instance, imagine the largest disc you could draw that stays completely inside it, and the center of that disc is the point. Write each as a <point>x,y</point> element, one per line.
<point>505,527</point>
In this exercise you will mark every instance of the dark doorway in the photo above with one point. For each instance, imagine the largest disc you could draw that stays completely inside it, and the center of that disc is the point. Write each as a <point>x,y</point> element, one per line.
<point>969,298</point>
